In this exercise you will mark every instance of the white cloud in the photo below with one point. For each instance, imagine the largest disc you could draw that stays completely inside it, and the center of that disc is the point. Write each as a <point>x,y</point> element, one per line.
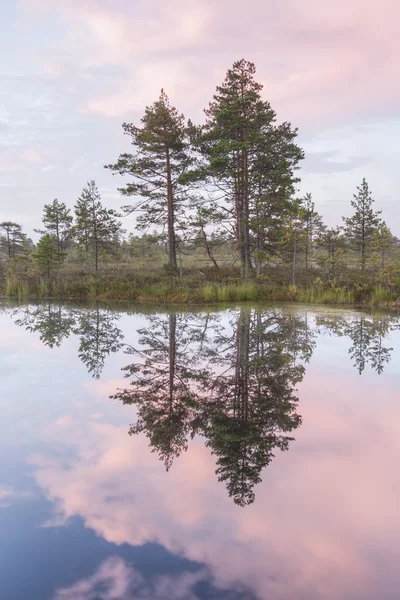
<point>116,580</point>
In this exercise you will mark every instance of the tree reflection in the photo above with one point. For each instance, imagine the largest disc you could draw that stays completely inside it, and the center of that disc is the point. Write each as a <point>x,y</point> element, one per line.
<point>54,323</point>
<point>229,376</point>
<point>98,338</point>
<point>367,335</point>
<point>234,384</point>
<point>253,403</point>
<point>167,385</point>
<point>96,329</point>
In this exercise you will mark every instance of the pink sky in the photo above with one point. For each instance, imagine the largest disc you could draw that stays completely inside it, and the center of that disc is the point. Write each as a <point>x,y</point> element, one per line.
<point>77,69</point>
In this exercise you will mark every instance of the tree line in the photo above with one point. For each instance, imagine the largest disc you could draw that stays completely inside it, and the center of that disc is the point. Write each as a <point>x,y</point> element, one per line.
<point>230,182</point>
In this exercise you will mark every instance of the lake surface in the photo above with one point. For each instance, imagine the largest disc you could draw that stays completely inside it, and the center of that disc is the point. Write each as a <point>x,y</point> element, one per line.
<point>247,453</point>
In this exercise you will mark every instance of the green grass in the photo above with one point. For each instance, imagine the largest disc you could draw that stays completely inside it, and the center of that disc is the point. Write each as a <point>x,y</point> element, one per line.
<point>17,289</point>
<point>198,287</point>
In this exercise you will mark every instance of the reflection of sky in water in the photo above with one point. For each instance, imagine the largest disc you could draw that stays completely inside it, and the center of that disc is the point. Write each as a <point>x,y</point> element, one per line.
<point>89,513</point>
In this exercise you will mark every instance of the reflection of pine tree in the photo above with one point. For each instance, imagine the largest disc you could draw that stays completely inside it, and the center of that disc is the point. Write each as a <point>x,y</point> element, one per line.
<point>54,322</point>
<point>166,383</point>
<point>98,335</point>
<point>367,335</point>
<point>254,401</point>
<point>235,387</point>
<point>99,338</point>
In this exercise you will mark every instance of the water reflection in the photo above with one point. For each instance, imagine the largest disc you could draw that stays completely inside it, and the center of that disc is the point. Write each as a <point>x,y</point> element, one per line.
<point>228,377</point>
<point>83,499</point>
<point>231,382</point>
<point>96,329</point>
<point>168,382</point>
<point>98,337</point>
<point>54,322</point>
<point>367,335</point>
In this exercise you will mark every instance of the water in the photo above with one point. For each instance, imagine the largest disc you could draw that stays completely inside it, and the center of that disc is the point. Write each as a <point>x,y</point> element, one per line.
<point>262,461</point>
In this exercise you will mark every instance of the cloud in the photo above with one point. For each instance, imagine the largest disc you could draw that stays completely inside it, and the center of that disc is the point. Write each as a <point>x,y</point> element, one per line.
<point>327,162</point>
<point>112,581</point>
<point>324,510</point>
<point>6,495</point>
<point>9,496</point>
<point>116,580</point>
<point>85,66</point>
<point>317,60</point>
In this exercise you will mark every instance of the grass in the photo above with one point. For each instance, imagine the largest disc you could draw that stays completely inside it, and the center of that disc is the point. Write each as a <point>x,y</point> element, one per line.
<point>17,289</point>
<point>198,287</point>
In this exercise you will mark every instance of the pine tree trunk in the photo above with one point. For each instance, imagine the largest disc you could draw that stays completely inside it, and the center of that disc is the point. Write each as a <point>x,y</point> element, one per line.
<point>294,259</point>
<point>172,353</point>
<point>96,241</point>
<point>306,249</point>
<point>58,235</point>
<point>363,244</point>
<point>171,220</point>
<point>248,267</point>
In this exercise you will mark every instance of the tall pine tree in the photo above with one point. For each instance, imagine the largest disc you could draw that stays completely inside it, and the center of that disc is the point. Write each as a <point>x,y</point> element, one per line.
<point>160,160</point>
<point>250,159</point>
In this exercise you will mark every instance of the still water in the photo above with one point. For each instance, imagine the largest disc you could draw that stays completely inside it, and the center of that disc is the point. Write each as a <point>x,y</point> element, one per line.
<point>248,453</point>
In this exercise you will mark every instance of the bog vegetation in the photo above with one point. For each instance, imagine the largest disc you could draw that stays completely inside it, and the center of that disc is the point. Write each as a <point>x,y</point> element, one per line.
<point>217,214</point>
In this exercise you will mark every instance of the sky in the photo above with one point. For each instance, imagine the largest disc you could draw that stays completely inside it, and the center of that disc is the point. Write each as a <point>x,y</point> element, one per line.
<point>73,71</point>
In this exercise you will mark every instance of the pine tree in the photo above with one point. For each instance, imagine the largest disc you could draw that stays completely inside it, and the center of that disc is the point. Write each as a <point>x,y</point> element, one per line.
<point>96,228</point>
<point>57,221</point>
<point>160,159</point>
<point>294,235</point>
<point>362,227</point>
<point>14,240</point>
<point>331,240</point>
<point>47,256</point>
<point>313,226</point>
<point>384,241</point>
<point>250,159</point>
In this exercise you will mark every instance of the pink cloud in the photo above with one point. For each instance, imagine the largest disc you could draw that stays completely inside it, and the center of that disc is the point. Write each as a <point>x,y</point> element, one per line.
<point>320,62</point>
<point>323,511</point>
<point>113,576</point>
<point>118,581</point>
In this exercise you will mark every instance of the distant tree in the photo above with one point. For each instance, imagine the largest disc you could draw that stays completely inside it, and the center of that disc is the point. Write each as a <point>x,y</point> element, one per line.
<point>97,229</point>
<point>363,226</point>
<point>46,256</point>
<point>313,226</point>
<point>384,242</point>
<point>13,240</point>
<point>294,236</point>
<point>331,240</point>
<point>145,246</point>
<point>57,220</point>
<point>161,157</point>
